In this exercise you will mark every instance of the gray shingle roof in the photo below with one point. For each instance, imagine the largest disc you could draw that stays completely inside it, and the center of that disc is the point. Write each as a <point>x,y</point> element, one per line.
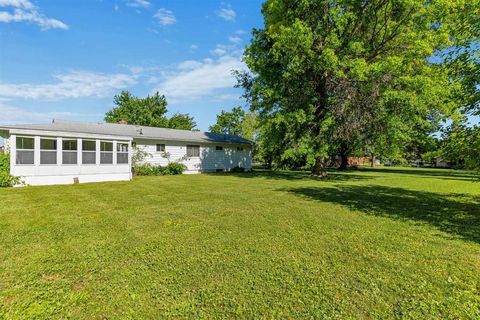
<point>131,131</point>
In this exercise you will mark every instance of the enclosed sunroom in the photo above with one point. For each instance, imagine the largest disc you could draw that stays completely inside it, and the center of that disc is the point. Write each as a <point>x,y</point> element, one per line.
<point>65,157</point>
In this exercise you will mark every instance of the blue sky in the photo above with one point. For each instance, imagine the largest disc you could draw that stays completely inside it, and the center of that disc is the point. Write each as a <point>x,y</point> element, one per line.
<point>67,59</point>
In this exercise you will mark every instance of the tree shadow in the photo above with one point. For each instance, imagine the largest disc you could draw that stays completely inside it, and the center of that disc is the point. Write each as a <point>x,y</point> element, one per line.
<point>295,175</point>
<point>448,174</point>
<point>456,214</point>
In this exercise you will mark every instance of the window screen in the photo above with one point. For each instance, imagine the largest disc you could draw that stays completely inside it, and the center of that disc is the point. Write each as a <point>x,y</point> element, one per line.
<point>193,151</point>
<point>122,153</point>
<point>48,151</point>
<point>218,148</point>
<point>106,152</point>
<point>160,148</point>
<point>69,151</point>
<point>239,148</point>
<point>89,152</point>
<point>25,150</point>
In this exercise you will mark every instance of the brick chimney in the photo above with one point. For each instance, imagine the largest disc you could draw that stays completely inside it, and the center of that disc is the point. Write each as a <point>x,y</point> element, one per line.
<point>122,121</point>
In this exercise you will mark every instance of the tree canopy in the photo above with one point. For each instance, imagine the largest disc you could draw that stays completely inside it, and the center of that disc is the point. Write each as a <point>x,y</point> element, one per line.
<point>236,122</point>
<point>329,78</point>
<point>149,111</point>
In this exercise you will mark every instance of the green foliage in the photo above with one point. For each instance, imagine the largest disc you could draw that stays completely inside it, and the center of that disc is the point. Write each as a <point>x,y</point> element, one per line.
<point>147,169</point>
<point>7,180</point>
<point>182,121</point>
<point>461,146</point>
<point>331,78</point>
<point>150,111</point>
<point>369,244</point>
<point>174,168</point>
<point>235,122</point>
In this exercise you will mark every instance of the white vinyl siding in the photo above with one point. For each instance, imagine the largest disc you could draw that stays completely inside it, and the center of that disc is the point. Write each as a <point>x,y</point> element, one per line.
<point>208,159</point>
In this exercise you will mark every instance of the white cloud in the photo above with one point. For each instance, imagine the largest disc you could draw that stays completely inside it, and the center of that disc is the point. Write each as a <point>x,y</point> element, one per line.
<point>193,47</point>
<point>138,4</point>
<point>12,114</point>
<point>116,7</point>
<point>165,17</point>
<point>219,51</point>
<point>240,32</point>
<point>226,12</point>
<point>24,10</point>
<point>201,79</point>
<point>235,39</point>
<point>73,84</point>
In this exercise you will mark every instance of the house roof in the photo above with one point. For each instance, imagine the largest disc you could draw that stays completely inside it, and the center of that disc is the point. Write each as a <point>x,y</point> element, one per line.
<point>139,132</point>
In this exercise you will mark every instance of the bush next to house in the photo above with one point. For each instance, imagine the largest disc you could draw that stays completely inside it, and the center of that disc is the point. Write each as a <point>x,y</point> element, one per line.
<point>147,169</point>
<point>7,180</point>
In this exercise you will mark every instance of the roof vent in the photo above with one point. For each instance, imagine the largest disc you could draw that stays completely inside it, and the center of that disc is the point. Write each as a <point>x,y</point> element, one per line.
<point>139,130</point>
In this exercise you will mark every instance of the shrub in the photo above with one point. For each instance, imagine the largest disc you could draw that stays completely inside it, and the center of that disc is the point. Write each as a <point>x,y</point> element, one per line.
<point>7,180</point>
<point>174,168</point>
<point>147,169</point>
<point>237,169</point>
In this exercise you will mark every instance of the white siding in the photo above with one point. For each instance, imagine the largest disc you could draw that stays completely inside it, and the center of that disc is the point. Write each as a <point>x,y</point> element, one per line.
<point>38,174</point>
<point>210,159</point>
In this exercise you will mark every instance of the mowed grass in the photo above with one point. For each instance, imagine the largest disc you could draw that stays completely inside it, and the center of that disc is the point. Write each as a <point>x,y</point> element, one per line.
<point>374,243</point>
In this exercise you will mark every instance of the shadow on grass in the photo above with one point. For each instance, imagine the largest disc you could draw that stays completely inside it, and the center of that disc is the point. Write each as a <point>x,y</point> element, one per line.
<point>456,214</point>
<point>449,174</point>
<point>295,175</point>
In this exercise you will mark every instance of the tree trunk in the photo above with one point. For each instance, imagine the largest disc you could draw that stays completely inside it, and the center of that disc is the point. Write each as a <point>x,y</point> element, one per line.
<point>344,153</point>
<point>319,169</point>
<point>373,161</point>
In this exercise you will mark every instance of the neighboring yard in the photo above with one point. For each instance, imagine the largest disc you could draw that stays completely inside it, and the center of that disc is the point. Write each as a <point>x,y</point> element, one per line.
<point>382,243</point>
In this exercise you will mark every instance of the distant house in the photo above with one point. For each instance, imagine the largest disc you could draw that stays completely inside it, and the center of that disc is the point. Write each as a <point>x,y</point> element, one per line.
<point>64,152</point>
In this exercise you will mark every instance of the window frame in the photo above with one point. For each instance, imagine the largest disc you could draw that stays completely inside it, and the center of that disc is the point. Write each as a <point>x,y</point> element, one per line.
<point>194,146</point>
<point>94,151</point>
<point>123,152</point>
<point>219,148</point>
<point>160,146</point>
<point>103,142</point>
<point>49,151</point>
<point>69,151</point>
<point>240,149</point>
<point>24,150</point>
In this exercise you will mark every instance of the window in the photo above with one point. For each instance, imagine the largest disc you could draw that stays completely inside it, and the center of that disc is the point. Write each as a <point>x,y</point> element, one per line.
<point>25,150</point>
<point>218,148</point>
<point>69,151</point>
<point>106,152</point>
<point>48,151</point>
<point>239,148</point>
<point>193,151</point>
<point>160,148</point>
<point>122,153</point>
<point>89,152</point>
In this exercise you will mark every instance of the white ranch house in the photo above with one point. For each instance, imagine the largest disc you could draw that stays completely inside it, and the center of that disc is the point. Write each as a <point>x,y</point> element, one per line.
<point>65,152</point>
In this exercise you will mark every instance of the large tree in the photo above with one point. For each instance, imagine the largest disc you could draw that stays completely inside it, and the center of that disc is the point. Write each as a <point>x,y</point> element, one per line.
<point>149,111</point>
<point>333,77</point>
<point>182,121</point>
<point>237,122</point>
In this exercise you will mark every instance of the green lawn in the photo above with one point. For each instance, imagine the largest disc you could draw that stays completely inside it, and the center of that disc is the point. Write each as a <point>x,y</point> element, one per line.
<point>381,243</point>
